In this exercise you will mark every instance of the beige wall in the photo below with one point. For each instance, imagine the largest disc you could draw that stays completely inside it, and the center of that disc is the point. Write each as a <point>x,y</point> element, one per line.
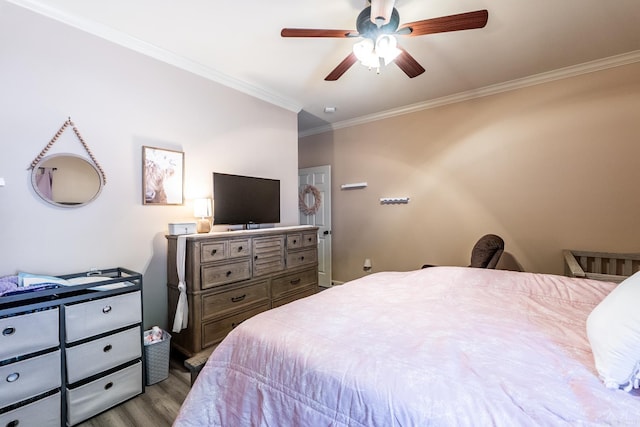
<point>547,167</point>
<point>120,100</point>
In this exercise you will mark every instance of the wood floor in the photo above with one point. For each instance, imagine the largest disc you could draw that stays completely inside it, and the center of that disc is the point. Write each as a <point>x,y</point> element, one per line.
<point>157,407</point>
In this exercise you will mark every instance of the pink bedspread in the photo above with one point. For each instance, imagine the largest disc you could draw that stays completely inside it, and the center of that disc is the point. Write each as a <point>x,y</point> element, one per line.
<point>443,346</point>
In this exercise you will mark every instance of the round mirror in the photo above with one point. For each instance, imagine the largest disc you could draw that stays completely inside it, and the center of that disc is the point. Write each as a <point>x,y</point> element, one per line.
<point>66,180</point>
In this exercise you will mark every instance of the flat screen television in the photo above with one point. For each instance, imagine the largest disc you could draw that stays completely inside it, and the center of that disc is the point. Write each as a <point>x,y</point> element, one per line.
<point>245,200</point>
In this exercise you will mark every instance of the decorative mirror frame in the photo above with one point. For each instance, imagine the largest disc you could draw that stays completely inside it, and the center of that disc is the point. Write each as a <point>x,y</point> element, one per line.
<point>162,176</point>
<point>35,175</point>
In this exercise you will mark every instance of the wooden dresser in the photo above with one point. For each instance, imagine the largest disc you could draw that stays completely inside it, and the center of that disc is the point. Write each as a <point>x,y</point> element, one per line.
<point>231,276</point>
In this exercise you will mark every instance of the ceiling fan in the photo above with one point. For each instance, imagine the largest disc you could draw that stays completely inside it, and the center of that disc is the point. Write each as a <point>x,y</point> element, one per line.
<point>378,25</point>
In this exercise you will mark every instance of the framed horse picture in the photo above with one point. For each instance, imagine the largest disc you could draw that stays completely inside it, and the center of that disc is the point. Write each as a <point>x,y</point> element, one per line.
<point>162,176</point>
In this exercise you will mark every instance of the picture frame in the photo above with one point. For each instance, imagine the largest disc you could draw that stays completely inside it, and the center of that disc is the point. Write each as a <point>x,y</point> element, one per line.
<point>162,176</point>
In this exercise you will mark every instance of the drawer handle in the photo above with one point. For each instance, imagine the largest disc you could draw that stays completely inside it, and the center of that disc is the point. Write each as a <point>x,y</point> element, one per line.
<point>108,385</point>
<point>239,248</point>
<point>107,348</point>
<point>11,378</point>
<point>302,258</point>
<point>295,281</point>
<point>295,241</point>
<point>229,273</point>
<point>238,299</point>
<point>213,252</point>
<point>13,423</point>
<point>310,239</point>
<point>255,257</point>
<point>106,309</point>
<point>8,331</point>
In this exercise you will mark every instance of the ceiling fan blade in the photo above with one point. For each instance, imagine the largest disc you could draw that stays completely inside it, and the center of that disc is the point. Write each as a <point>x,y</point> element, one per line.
<point>342,67</point>
<point>408,64</point>
<point>461,21</point>
<point>310,32</point>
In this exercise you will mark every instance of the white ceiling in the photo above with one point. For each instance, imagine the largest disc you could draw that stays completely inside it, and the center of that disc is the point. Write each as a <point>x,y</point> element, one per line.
<point>238,43</point>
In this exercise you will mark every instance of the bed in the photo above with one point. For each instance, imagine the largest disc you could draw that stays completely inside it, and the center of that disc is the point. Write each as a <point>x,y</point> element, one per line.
<point>443,346</point>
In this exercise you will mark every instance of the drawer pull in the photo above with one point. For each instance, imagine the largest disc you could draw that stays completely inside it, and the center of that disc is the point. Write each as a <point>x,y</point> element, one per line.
<point>238,299</point>
<point>108,385</point>
<point>255,257</point>
<point>239,248</point>
<point>13,423</point>
<point>8,331</point>
<point>302,258</point>
<point>295,281</point>
<point>106,309</point>
<point>229,273</point>
<point>295,241</point>
<point>107,348</point>
<point>213,252</point>
<point>11,378</point>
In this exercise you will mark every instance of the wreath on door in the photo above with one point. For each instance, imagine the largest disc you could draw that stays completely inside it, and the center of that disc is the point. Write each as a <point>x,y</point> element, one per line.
<point>317,200</point>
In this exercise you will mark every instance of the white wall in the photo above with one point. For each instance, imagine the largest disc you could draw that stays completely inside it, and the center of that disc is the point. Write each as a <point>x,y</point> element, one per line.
<point>119,100</point>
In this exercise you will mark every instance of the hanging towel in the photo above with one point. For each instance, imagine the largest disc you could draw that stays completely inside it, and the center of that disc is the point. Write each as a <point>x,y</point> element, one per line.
<point>44,181</point>
<point>181,318</point>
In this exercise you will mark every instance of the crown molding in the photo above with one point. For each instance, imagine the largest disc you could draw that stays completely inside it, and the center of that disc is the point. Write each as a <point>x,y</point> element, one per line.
<point>562,73</point>
<point>158,53</point>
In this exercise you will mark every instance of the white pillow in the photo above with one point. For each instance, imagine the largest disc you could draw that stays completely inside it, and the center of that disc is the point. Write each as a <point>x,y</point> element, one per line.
<point>613,328</point>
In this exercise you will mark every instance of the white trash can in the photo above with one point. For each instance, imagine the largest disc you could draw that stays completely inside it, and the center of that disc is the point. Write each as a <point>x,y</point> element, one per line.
<point>156,357</point>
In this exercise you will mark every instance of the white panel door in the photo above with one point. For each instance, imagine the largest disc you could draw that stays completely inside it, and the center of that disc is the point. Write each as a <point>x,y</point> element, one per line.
<point>319,177</point>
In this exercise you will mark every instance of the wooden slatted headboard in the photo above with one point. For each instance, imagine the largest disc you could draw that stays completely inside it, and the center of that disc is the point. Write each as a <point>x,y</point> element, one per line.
<point>607,266</point>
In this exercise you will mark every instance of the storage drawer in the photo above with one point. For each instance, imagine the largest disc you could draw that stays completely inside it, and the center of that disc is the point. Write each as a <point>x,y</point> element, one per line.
<point>42,413</point>
<point>216,275</point>
<point>28,333</point>
<point>29,378</point>
<point>294,241</point>
<point>292,297</point>
<point>220,303</point>
<point>92,398</point>
<point>102,315</point>
<point>214,251</point>
<point>298,258</point>
<point>213,332</point>
<point>239,248</point>
<point>310,239</point>
<point>99,355</point>
<point>294,282</point>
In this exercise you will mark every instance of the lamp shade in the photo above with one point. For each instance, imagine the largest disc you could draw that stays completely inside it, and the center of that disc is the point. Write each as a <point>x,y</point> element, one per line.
<point>202,208</point>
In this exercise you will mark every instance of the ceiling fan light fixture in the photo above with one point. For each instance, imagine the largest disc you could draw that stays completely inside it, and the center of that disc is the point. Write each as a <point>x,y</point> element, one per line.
<point>365,52</point>
<point>381,11</point>
<point>386,48</point>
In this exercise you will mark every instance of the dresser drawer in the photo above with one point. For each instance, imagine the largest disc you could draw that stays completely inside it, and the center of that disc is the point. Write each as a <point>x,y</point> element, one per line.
<point>216,275</point>
<point>294,282</point>
<point>220,303</point>
<point>213,332</point>
<point>99,355</point>
<point>29,378</point>
<point>214,251</point>
<point>239,248</point>
<point>92,398</point>
<point>294,241</point>
<point>304,257</point>
<point>102,315</point>
<point>310,239</point>
<point>292,297</point>
<point>42,413</point>
<point>28,333</point>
